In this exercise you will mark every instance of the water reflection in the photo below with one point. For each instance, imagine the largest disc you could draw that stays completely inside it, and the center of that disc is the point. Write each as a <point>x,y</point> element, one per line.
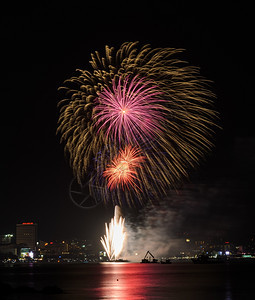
<point>155,281</point>
<point>136,281</point>
<point>228,293</point>
<point>122,281</point>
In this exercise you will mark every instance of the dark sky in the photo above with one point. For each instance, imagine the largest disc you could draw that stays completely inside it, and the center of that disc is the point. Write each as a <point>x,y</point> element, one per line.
<point>42,45</point>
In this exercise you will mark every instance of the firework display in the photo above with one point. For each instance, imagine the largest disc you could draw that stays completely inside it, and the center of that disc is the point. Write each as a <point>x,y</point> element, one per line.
<point>131,111</point>
<point>115,235</point>
<point>122,171</point>
<point>137,124</point>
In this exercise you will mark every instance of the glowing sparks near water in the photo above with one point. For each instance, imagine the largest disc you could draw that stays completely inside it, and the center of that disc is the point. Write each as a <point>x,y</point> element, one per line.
<point>123,169</point>
<point>113,240</point>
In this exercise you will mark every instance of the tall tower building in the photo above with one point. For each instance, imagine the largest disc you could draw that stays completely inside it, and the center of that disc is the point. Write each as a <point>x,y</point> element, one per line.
<point>26,233</point>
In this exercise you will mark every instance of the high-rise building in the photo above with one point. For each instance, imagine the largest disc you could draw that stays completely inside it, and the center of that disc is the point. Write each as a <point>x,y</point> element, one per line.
<point>26,233</point>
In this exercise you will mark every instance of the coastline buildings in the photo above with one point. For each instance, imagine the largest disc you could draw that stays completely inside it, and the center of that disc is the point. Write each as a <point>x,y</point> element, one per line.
<point>6,239</point>
<point>7,245</point>
<point>28,247</point>
<point>67,251</point>
<point>26,234</point>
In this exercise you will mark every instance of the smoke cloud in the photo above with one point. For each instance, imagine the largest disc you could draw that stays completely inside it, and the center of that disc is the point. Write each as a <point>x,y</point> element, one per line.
<point>213,206</point>
<point>153,230</point>
<point>209,208</point>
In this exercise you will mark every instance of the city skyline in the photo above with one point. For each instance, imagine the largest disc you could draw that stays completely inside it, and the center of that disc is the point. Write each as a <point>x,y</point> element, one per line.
<point>25,245</point>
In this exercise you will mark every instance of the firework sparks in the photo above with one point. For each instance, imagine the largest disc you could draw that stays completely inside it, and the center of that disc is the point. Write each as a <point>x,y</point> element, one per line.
<point>123,170</point>
<point>146,98</point>
<point>115,236</point>
<point>130,110</point>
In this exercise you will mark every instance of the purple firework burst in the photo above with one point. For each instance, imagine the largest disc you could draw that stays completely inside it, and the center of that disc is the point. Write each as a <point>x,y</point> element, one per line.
<point>131,110</point>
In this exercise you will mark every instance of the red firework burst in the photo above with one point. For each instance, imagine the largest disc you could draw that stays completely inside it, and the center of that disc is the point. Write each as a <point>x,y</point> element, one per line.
<point>130,110</point>
<point>123,169</point>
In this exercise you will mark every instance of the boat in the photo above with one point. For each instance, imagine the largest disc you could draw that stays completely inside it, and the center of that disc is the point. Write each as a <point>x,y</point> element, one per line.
<point>205,259</point>
<point>149,258</point>
<point>121,260</point>
<point>166,261</point>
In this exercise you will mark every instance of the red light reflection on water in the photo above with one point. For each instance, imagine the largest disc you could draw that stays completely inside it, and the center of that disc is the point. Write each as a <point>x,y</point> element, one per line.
<point>129,281</point>
<point>134,281</point>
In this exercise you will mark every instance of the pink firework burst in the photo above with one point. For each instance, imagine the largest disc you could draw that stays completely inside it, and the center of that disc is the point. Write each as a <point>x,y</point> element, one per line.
<point>131,110</point>
<point>123,169</point>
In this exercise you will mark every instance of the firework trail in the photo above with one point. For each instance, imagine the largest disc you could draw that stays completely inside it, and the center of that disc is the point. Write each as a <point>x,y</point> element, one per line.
<point>115,236</point>
<point>144,99</point>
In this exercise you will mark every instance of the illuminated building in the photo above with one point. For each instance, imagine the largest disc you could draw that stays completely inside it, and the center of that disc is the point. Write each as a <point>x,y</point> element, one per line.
<point>6,239</point>
<point>55,248</point>
<point>26,234</point>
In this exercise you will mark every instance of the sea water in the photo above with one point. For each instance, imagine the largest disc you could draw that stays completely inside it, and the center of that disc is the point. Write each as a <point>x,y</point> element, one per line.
<point>182,281</point>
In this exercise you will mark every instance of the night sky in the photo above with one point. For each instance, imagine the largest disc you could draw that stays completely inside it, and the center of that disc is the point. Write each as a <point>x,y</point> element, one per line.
<point>42,45</point>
